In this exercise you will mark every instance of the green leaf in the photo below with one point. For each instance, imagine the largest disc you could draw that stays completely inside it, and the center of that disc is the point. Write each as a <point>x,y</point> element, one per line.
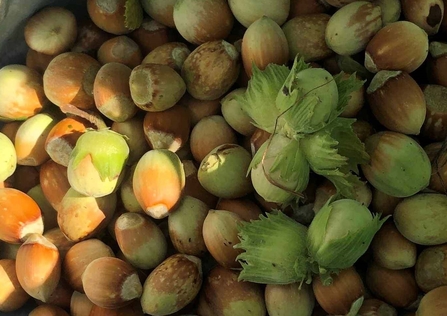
<point>287,94</point>
<point>259,99</point>
<point>349,65</point>
<point>275,250</point>
<point>345,86</point>
<point>345,182</point>
<point>349,145</point>
<point>306,99</point>
<point>355,307</point>
<point>334,153</point>
<point>344,252</point>
<point>257,158</point>
<point>315,241</point>
<point>291,167</point>
<point>321,151</point>
<point>297,118</point>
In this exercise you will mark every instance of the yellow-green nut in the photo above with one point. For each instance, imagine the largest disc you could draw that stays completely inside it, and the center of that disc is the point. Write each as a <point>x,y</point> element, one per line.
<point>398,166</point>
<point>97,162</point>
<point>223,172</point>
<point>422,218</point>
<point>351,27</point>
<point>318,83</point>
<point>172,285</point>
<point>8,157</point>
<point>234,115</point>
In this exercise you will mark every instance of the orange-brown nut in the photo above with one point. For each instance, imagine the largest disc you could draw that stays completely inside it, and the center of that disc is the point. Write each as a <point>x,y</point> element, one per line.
<point>120,49</point>
<point>69,80</point>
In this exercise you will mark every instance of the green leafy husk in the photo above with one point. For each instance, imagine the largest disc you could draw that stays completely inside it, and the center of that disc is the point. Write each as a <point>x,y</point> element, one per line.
<point>259,99</point>
<point>355,307</point>
<point>108,150</point>
<point>275,250</point>
<point>345,88</point>
<point>284,102</point>
<point>307,98</point>
<point>284,165</point>
<point>339,235</point>
<point>334,152</point>
<point>133,14</point>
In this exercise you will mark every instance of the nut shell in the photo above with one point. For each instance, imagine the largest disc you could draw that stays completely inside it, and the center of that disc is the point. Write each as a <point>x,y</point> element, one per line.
<point>155,87</point>
<point>111,92</point>
<point>12,295</point>
<point>248,11</point>
<point>397,101</point>
<point>435,124</point>
<point>344,290</point>
<point>38,267</point>
<point>21,92</point>
<point>19,216</point>
<point>201,21</point>
<point>158,182</point>
<point>264,42</point>
<point>81,217</point>
<point>223,294</point>
<point>433,303</point>
<point>211,69</point>
<point>140,240</point>
<point>350,28</point>
<point>116,17</point>
<point>396,287</point>
<point>306,36</point>
<point>426,14</point>
<point>172,285</point>
<point>111,282</point>
<point>391,250</point>
<point>51,31</point>
<point>79,256</point>
<point>120,49</point>
<point>421,218</point>
<point>404,37</point>
<point>69,79</point>
<point>431,268</point>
